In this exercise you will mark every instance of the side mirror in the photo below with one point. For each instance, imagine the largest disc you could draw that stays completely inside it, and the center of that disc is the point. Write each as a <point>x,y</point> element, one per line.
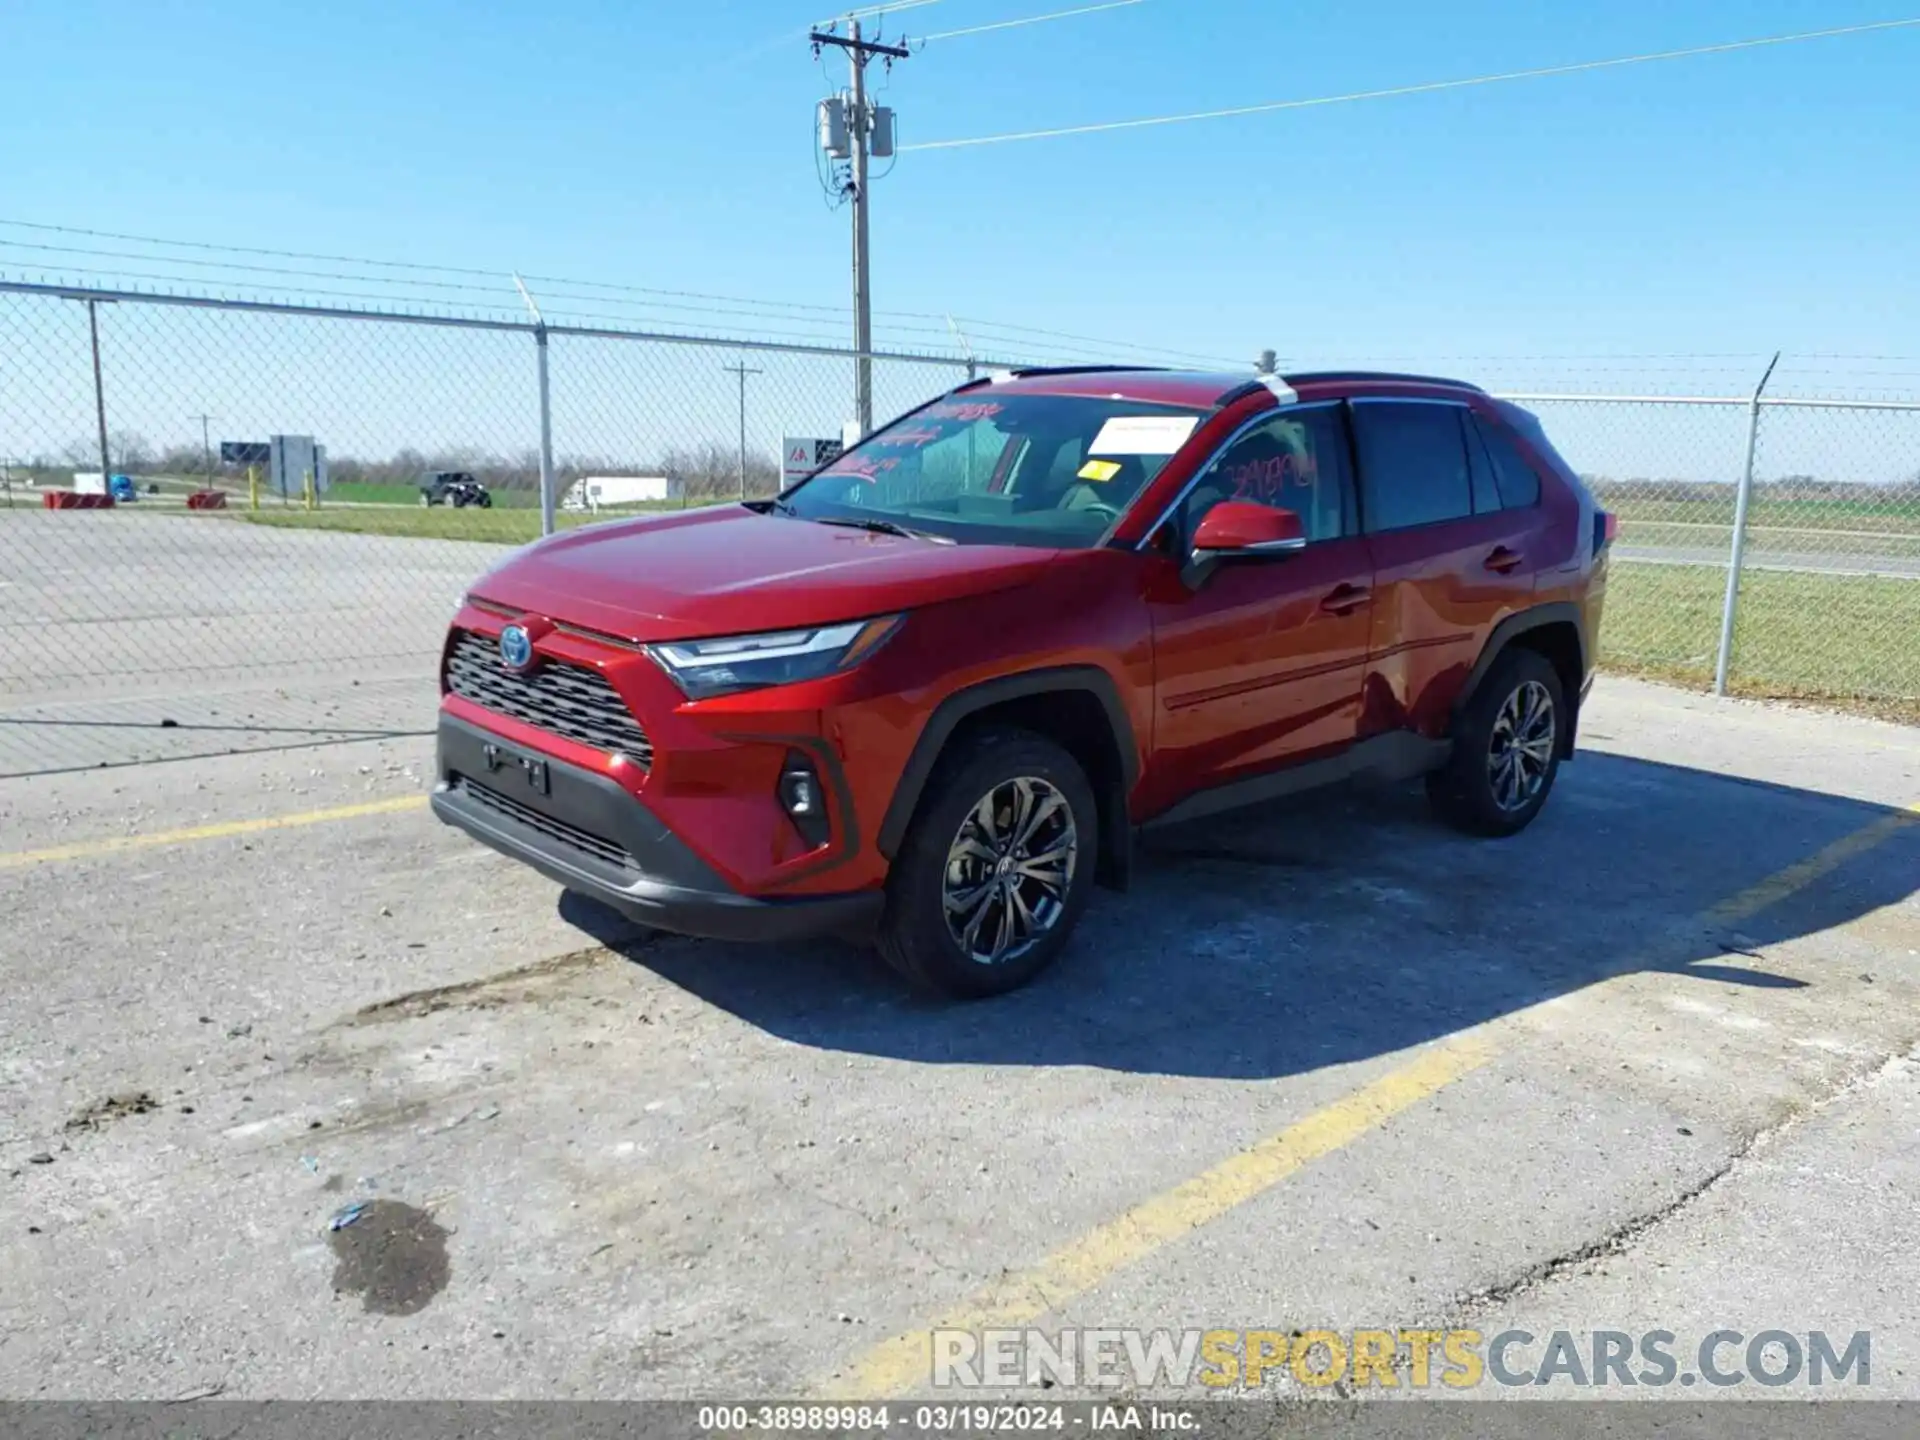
<point>1242,527</point>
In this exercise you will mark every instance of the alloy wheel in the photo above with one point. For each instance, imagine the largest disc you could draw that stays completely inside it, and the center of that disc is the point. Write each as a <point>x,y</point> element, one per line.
<point>1521,750</point>
<point>1009,869</point>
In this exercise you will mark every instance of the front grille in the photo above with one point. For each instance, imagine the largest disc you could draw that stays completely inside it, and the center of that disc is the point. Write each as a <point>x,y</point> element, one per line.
<point>603,850</point>
<point>569,700</point>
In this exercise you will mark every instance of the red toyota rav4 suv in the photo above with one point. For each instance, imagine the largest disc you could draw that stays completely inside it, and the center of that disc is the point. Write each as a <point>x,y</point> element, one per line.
<point>929,694</point>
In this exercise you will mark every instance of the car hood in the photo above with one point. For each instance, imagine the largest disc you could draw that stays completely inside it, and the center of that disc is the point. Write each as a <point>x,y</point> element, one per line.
<point>729,570</point>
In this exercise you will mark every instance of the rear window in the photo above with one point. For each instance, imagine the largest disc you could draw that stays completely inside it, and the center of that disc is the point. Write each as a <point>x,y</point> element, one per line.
<point>1527,426</point>
<point>1518,481</point>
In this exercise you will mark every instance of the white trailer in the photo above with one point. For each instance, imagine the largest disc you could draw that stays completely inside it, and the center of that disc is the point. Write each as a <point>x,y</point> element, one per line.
<point>596,492</point>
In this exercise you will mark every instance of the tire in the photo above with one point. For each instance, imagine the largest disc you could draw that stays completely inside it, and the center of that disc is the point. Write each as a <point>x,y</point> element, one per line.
<point>486,502</point>
<point>1475,791</point>
<point>915,936</point>
<point>425,498</point>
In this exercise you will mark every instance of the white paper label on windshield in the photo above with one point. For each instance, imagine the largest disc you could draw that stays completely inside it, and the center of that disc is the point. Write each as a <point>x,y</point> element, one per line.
<point>1143,435</point>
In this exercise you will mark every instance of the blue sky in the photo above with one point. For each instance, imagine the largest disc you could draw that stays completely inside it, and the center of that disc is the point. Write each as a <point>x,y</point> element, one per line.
<point>1718,206</point>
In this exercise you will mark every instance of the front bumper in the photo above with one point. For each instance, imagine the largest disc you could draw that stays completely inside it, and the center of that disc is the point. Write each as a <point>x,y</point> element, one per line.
<point>586,832</point>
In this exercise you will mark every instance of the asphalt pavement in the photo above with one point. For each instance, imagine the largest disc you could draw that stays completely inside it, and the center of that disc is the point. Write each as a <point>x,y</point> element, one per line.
<point>1326,1065</point>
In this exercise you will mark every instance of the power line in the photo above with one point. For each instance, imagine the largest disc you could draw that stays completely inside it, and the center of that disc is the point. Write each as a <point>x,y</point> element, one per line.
<point>876,11</point>
<point>813,330</point>
<point>246,249</point>
<point>478,295</point>
<point>1426,88</point>
<point>1029,20</point>
<point>989,327</point>
<point>499,277</point>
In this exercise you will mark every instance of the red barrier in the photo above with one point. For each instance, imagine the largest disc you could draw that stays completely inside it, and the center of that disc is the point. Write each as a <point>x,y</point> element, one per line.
<point>74,500</point>
<point>207,500</point>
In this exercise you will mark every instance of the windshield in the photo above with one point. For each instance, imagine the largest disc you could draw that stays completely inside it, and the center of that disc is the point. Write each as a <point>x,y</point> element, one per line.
<point>1043,470</point>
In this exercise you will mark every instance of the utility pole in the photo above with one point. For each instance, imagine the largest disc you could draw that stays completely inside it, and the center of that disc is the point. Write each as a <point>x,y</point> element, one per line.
<point>99,395</point>
<point>742,371</point>
<point>860,132</point>
<point>206,446</point>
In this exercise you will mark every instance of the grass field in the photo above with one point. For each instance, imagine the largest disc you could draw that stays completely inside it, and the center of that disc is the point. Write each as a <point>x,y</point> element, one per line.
<point>1843,639</point>
<point>368,493</point>
<point>498,526</point>
<point>1862,545</point>
<point>1844,529</point>
<point>1897,515</point>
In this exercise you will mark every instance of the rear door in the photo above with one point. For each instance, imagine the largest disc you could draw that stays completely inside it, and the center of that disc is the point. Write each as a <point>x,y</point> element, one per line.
<point>1261,665</point>
<point>1450,557</point>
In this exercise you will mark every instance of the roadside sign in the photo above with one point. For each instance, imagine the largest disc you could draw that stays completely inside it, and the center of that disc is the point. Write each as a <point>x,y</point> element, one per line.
<point>801,455</point>
<point>245,452</point>
<point>294,462</point>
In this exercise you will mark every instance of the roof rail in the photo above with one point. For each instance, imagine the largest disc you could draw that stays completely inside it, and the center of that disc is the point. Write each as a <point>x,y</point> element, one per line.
<point>1086,369</point>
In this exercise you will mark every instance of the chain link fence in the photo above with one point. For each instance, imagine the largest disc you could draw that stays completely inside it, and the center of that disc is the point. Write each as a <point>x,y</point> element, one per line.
<point>1827,600</point>
<point>307,606</point>
<point>229,607</point>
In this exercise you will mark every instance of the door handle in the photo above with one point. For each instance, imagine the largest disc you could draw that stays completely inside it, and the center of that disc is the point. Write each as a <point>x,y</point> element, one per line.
<point>1504,560</point>
<point>1345,599</point>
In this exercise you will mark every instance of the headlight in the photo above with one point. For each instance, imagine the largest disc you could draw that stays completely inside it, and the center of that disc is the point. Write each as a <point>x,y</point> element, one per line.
<point>705,668</point>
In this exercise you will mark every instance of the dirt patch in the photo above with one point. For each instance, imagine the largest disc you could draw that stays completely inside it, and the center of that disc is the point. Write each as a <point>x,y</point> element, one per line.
<point>98,1113</point>
<point>490,992</point>
<point>393,1256</point>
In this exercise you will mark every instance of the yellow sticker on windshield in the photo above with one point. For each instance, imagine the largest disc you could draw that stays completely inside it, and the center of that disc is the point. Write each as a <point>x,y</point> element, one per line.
<point>1099,471</point>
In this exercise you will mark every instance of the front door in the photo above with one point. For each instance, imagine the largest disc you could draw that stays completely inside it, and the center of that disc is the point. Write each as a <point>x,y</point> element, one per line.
<point>1261,665</point>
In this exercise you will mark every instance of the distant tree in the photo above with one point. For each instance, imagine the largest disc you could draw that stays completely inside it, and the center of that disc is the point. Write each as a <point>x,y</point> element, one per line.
<point>712,471</point>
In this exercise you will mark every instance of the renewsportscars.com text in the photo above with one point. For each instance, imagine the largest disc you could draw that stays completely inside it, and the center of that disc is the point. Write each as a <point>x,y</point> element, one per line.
<point>1415,1358</point>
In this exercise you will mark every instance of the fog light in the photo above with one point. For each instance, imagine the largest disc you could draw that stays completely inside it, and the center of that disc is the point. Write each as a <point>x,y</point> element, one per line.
<point>801,798</point>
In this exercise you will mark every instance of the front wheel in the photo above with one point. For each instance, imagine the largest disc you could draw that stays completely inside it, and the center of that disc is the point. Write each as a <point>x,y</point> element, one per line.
<point>1506,749</point>
<point>996,868</point>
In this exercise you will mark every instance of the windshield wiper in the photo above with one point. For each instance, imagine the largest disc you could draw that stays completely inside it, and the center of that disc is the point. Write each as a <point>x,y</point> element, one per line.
<point>886,527</point>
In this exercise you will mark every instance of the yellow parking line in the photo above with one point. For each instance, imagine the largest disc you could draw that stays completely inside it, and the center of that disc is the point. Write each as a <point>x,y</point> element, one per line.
<point>897,1365</point>
<point>1822,862</point>
<point>112,844</point>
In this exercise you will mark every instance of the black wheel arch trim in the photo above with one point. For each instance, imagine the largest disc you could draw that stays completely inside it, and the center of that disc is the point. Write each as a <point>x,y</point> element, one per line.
<point>1554,612</point>
<point>962,704</point>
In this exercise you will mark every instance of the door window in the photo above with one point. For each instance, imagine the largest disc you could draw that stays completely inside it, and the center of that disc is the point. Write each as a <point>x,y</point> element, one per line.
<point>1413,463</point>
<point>1295,461</point>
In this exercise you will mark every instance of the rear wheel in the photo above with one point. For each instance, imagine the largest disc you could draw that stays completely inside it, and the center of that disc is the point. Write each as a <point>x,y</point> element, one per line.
<point>996,868</point>
<point>1506,749</point>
